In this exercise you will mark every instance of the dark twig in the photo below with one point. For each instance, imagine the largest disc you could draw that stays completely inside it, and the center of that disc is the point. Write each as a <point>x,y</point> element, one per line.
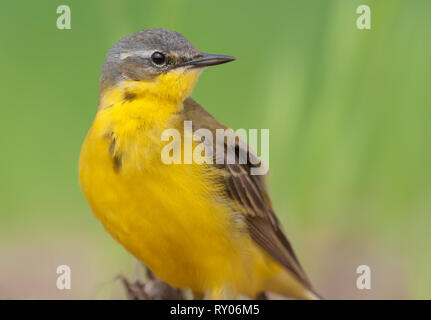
<point>153,289</point>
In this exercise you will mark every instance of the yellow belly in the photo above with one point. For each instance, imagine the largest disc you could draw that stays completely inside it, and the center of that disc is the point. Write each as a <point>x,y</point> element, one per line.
<point>167,217</point>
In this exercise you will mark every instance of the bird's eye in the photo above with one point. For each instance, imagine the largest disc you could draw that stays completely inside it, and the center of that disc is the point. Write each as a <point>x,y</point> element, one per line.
<point>158,58</point>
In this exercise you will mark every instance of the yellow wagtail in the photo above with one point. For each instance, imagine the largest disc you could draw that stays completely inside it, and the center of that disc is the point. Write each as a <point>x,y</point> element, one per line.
<point>207,227</point>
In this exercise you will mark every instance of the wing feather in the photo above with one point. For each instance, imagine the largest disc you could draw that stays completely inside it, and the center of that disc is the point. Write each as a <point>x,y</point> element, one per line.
<point>250,191</point>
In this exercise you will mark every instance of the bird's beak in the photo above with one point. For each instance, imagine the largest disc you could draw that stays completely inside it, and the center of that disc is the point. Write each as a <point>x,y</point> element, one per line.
<point>207,59</point>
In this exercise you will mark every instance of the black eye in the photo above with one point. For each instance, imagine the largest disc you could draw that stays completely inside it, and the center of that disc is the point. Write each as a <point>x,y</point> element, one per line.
<point>158,58</point>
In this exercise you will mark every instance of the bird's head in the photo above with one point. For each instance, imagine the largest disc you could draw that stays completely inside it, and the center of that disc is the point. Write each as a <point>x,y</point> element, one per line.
<point>156,62</point>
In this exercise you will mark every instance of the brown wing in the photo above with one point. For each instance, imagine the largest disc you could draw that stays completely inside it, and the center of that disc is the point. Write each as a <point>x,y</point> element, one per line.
<point>251,193</point>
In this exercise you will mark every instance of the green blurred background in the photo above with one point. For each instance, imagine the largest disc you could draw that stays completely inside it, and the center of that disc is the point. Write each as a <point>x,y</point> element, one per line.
<point>348,112</point>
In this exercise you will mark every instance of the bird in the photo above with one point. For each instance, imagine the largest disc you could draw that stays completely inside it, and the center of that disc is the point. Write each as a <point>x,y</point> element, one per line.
<point>208,227</point>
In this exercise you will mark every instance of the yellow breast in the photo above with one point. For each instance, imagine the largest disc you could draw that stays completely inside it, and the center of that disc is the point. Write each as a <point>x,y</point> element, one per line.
<point>165,215</point>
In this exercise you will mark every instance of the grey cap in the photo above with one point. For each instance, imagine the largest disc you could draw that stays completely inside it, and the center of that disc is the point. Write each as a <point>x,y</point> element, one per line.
<point>145,54</point>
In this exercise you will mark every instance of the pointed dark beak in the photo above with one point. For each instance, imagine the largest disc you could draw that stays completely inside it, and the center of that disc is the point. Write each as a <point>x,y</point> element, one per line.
<point>207,59</point>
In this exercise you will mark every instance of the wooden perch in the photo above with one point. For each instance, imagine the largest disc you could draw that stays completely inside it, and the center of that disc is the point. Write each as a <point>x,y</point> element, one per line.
<point>153,289</point>
<point>156,289</point>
